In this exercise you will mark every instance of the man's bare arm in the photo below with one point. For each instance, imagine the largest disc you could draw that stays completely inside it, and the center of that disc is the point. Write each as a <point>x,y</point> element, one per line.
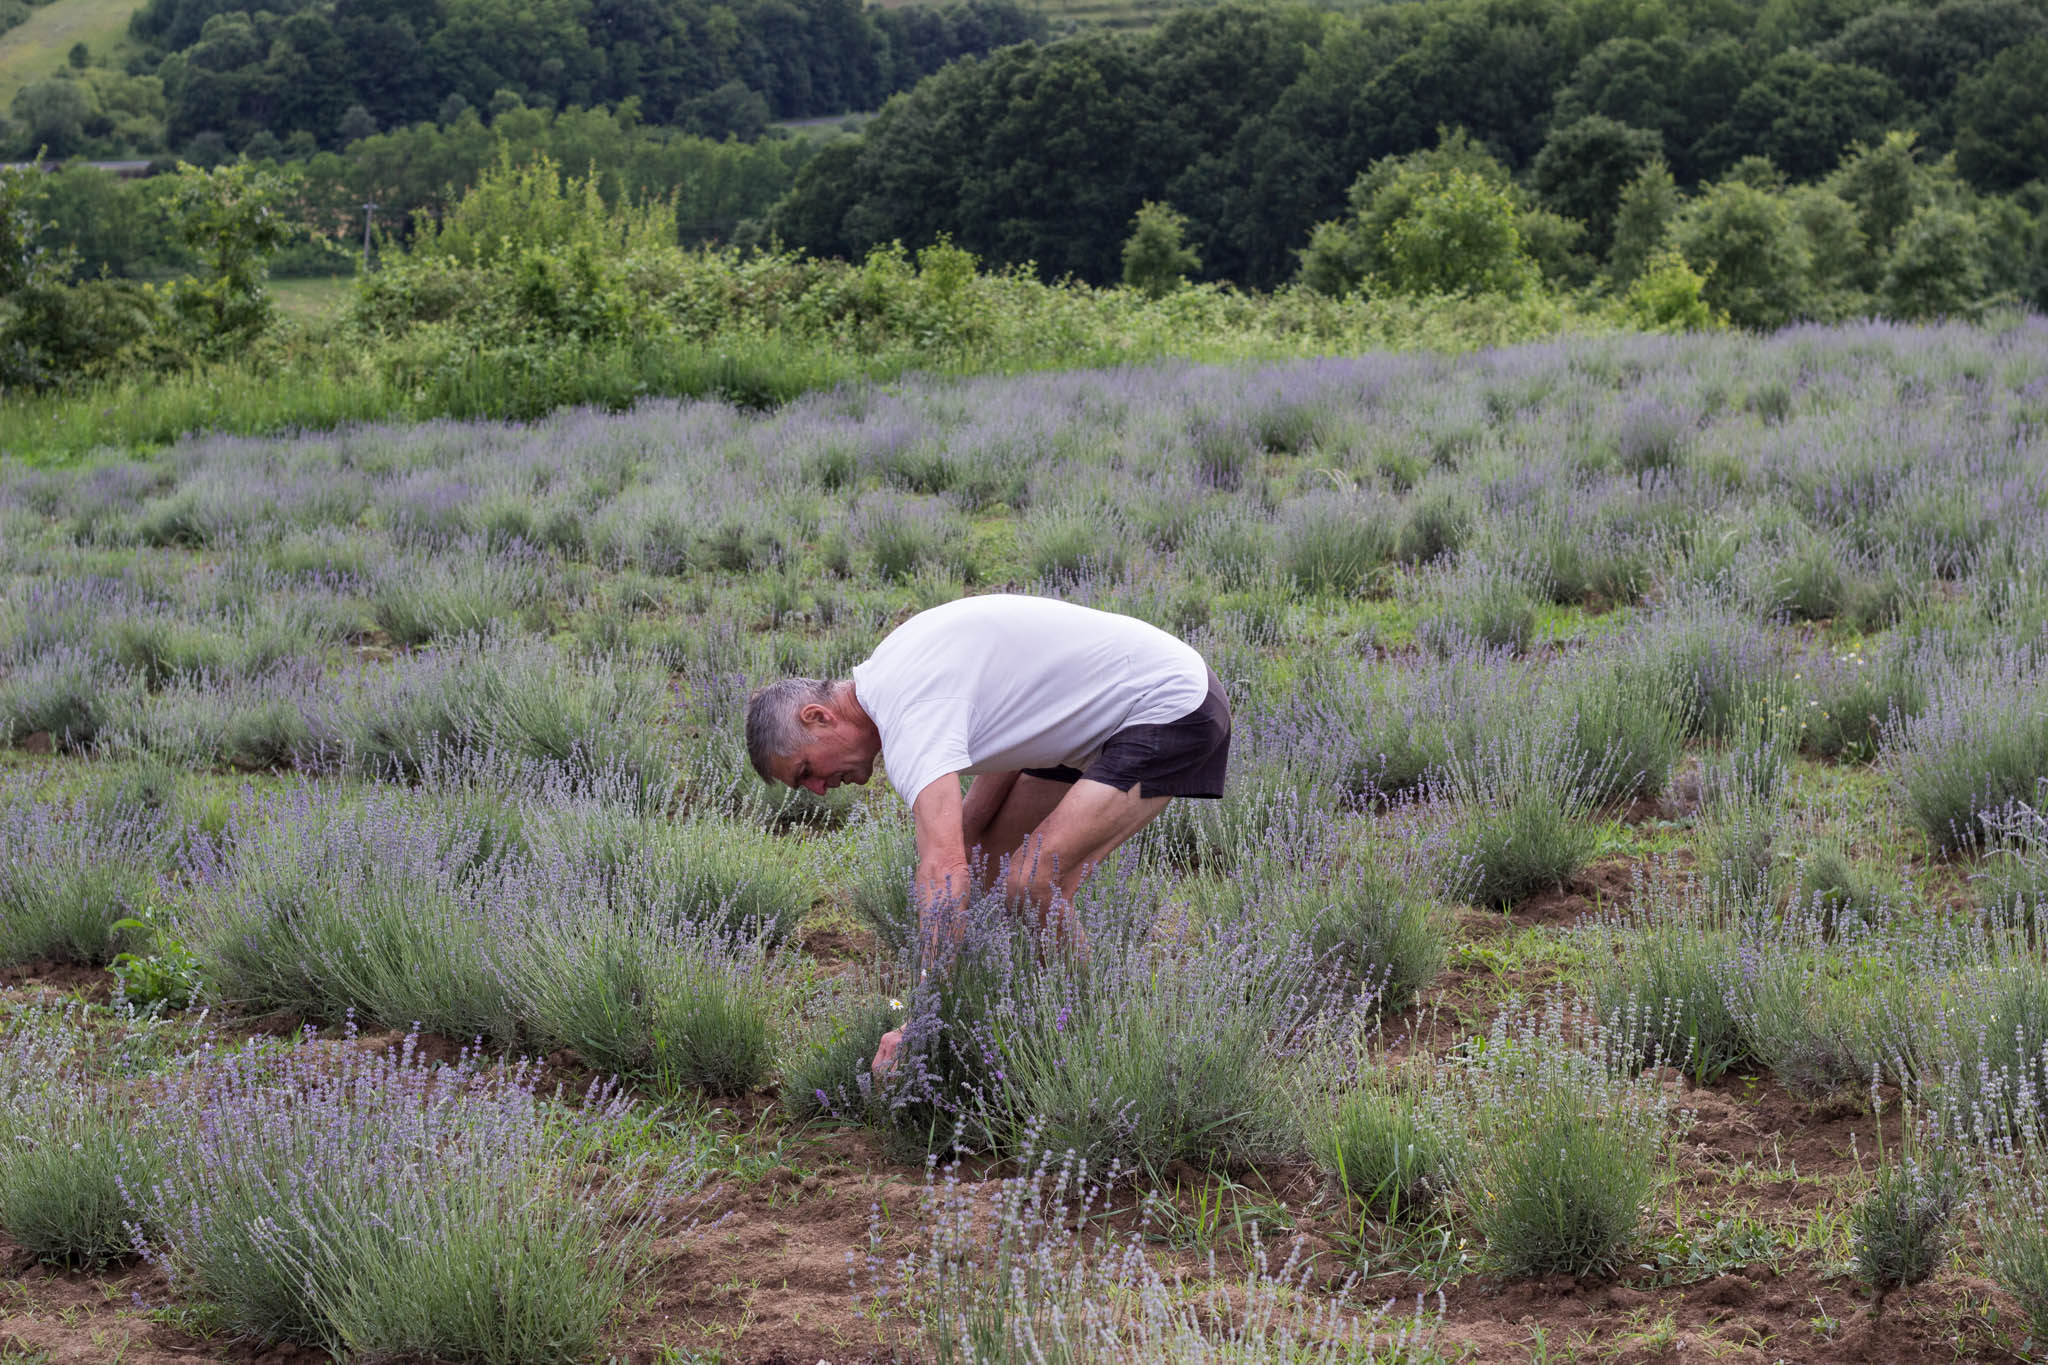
<point>942,875</point>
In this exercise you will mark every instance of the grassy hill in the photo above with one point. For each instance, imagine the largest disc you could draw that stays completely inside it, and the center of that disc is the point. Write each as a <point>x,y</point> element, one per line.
<point>34,49</point>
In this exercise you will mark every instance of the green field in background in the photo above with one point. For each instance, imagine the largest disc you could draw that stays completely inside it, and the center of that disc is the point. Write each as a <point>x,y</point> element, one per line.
<point>37,48</point>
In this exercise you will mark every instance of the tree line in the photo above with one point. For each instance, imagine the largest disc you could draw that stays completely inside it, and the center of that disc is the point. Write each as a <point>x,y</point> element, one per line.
<point>1257,122</point>
<point>291,77</point>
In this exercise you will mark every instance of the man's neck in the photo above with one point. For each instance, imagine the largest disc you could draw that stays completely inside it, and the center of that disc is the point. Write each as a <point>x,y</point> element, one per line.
<point>849,705</point>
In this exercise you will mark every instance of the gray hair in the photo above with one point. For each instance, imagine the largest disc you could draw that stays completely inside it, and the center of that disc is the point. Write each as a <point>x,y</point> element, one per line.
<point>772,729</point>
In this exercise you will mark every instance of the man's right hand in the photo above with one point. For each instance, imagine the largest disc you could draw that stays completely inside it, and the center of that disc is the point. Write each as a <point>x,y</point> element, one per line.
<point>884,1064</point>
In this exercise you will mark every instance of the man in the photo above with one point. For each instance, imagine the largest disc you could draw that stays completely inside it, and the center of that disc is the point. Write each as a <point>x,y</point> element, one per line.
<point>1077,725</point>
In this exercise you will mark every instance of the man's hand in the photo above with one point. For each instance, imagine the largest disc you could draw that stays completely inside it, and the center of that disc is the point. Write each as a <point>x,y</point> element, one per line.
<point>884,1065</point>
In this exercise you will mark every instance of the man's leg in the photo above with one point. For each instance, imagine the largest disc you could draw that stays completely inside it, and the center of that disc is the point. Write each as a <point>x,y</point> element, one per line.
<point>1090,823</point>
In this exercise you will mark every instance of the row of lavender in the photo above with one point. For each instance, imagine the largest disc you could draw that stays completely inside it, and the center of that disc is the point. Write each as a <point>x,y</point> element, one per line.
<point>578,859</point>
<point>374,1204</point>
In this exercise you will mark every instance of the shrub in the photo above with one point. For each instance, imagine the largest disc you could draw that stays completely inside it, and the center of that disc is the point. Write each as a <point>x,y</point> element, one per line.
<point>1523,824</point>
<point>1486,604</point>
<point>1438,519</point>
<point>1901,1230</point>
<point>1065,540</point>
<point>71,876</point>
<point>1626,729</point>
<point>1334,543</point>
<point>1670,967</point>
<point>1713,664</point>
<point>375,1203</point>
<point>1979,748</point>
<point>1385,1152</point>
<point>1152,1056</point>
<point>683,1008</point>
<point>1853,699</point>
<point>72,1170</point>
<point>461,592</point>
<point>878,882</point>
<point>2014,879</point>
<point>594,720</point>
<point>1025,1273</point>
<point>331,906</point>
<point>1839,889</point>
<point>708,871</point>
<point>830,1072</point>
<point>1561,1148</point>
<point>901,535</point>
<point>1651,435</point>
<point>70,694</point>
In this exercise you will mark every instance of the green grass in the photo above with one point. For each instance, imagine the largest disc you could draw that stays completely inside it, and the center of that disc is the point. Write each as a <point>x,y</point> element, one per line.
<point>313,300</point>
<point>37,48</point>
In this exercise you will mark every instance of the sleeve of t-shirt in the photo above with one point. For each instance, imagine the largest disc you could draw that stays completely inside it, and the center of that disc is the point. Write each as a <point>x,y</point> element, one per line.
<point>925,741</point>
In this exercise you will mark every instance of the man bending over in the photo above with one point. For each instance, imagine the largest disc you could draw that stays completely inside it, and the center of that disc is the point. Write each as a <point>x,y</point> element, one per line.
<point>1078,726</point>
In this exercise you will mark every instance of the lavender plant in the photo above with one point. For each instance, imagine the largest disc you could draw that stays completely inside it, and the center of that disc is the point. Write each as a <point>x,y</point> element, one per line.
<point>1670,960</point>
<point>1479,602</point>
<point>1562,1145</point>
<point>1335,542</point>
<point>1903,1228</point>
<point>376,1203</point>
<point>1386,1151</point>
<point>72,1167</point>
<point>1150,1055</point>
<point>2014,879</point>
<point>681,1006</point>
<point>1007,1279</point>
<point>1524,818</point>
<point>72,874</point>
<point>1979,747</point>
<point>466,591</point>
<point>70,694</point>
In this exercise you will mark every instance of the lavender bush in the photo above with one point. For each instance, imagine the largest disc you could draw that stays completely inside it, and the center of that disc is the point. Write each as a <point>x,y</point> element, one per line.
<point>1979,747</point>
<point>1525,818</point>
<point>1562,1145</point>
<point>376,1203</point>
<point>73,1168</point>
<point>1671,959</point>
<point>72,873</point>
<point>1008,1278</point>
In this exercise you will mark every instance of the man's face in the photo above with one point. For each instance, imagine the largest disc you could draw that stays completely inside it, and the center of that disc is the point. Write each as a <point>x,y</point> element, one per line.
<point>836,752</point>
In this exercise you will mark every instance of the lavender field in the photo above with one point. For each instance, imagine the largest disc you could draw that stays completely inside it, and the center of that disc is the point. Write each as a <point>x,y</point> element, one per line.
<point>1620,940</point>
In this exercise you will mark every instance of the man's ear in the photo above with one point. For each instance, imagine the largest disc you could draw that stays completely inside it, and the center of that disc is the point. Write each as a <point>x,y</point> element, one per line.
<point>815,716</point>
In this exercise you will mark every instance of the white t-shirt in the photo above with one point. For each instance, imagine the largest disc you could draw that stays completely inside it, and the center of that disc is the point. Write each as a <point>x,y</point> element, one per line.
<point>1002,682</point>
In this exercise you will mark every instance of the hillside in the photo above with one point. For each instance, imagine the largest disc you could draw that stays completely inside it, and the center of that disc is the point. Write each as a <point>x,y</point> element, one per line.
<point>38,47</point>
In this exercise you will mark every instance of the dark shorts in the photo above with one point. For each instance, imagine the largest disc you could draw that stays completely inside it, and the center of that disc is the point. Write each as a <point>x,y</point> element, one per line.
<point>1185,757</point>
